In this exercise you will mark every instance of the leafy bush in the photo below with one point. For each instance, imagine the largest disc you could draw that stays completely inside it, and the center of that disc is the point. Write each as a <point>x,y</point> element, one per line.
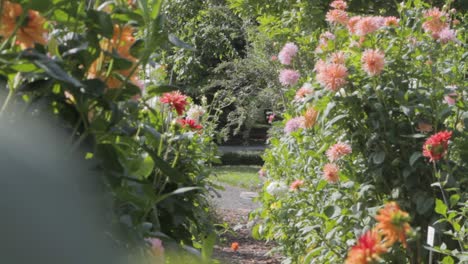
<point>86,62</point>
<point>352,139</point>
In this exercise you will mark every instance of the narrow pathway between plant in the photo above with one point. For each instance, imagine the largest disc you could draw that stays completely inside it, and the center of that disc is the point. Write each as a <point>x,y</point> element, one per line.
<point>233,208</point>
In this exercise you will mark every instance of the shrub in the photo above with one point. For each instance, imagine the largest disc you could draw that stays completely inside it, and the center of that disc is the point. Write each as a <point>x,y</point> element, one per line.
<point>380,87</point>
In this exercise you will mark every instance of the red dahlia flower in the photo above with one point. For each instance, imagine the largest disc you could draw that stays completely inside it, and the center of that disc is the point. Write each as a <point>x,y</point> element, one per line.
<point>190,123</point>
<point>367,250</point>
<point>176,100</point>
<point>436,146</point>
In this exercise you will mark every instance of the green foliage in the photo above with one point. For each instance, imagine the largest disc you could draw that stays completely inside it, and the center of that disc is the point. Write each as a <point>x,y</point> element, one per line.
<point>87,76</point>
<point>381,118</point>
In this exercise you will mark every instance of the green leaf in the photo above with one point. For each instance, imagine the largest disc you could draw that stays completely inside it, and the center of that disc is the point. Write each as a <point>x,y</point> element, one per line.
<point>440,207</point>
<point>448,260</point>
<point>209,242</point>
<point>454,199</point>
<point>155,8</point>
<point>50,67</point>
<point>145,169</point>
<point>41,5</point>
<point>332,211</point>
<point>178,191</point>
<point>101,23</point>
<point>414,157</point>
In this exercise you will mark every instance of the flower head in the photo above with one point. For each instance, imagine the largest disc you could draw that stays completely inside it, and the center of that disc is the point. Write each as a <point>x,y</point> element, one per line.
<point>337,151</point>
<point>338,57</point>
<point>436,146</point>
<point>368,25</point>
<point>289,77</point>
<point>235,246</point>
<point>436,20</point>
<point>271,118</point>
<point>339,4</point>
<point>262,173</point>
<point>304,91</point>
<point>367,250</point>
<point>373,62</point>
<point>176,100</point>
<point>30,32</point>
<point>332,76</point>
<point>287,53</point>
<point>294,124</point>
<point>295,185</point>
<point>157,247</point>
<point>391,21</point>
<point>331,172</point>
<point>189,123</point>
<point>446,35</point>
<point>195,112</point>
<point>393,223</point>
<point>310,117</point>
<point>277,188</point>
<point>352,24</point>
<point>337,16</point>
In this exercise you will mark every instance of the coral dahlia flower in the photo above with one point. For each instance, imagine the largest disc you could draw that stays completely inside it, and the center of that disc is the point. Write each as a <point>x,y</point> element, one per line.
<point>304,91</point>
<point>391,21</point>
<point>393,224</point>
<point>338,57</point>
<point>289,77</point>
<point>352,24</point>
<point>367,25</point>
<point>367,250</point>
<point>337,151</point>
<point>337,16</point>
<point>176,100</point>
<point>295,185</point>
<point>436,20</point>
<point>332,76</point>
<point>436,145</point>
<point>331,172</point>
<point>30,32</point>
<point>339,4</point>
<point>373,62</point>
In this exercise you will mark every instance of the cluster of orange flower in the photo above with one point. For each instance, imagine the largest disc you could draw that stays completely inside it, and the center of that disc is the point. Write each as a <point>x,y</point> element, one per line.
<point>392,227</point>
<point>121,42</point>
<point>30,31</point>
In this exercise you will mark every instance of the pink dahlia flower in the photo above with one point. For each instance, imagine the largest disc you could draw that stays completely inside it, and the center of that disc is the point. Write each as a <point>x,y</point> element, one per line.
<point>156,246</point>
<point>176,100</point>
<point>294,124</point>
<point>331,172</point>
<point>337,151</point>
<point>287,53</point>
<point>446,35</point>
<point>352,24</point>
<point>373,62</point>
<point>332,76</point>
<point>289,77</point>
<point>436,145</point>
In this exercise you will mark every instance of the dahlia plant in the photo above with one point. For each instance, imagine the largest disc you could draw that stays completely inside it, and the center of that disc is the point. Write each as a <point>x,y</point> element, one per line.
<point>389,123</point>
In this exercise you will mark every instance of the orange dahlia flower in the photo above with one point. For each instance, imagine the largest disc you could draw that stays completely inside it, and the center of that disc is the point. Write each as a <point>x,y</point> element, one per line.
<point>30,32</point>
<point>393,223</point>
<point>310,117</point>
<point>235,246</point>
<point>368,249</point>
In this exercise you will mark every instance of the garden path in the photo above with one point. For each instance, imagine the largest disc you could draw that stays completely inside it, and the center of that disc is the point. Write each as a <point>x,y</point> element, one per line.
<point>233,207</point>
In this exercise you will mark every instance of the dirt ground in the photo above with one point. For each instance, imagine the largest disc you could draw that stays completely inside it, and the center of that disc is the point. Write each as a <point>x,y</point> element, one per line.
<point>233,209</point>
